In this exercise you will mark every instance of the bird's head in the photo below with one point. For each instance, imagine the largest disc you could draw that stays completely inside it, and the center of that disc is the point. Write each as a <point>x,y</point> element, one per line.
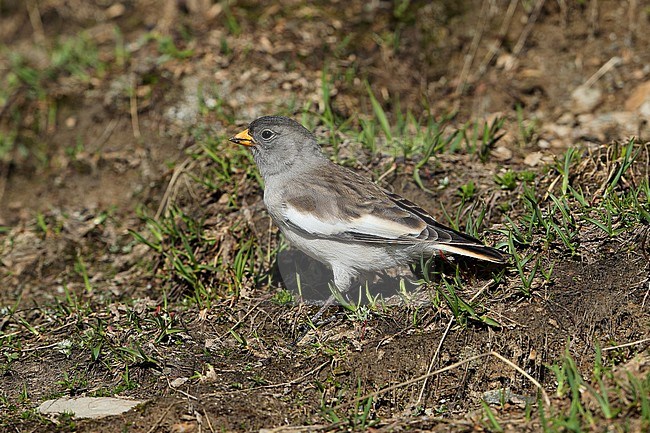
<point>278,144</point>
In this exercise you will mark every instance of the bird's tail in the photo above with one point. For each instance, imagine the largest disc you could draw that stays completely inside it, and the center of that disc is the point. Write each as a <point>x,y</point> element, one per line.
<point>481,252</point>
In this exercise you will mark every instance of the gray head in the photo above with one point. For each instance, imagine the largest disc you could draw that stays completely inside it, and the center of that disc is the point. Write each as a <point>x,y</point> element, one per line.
<point>279,144</point>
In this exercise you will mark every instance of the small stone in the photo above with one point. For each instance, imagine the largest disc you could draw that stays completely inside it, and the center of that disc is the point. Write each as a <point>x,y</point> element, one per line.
<point>644,110</point>
<point>502,153</point>
<point>585,99</point>
<point>585,118</point>
<point>558,144</point>
<point>507,62</point>
<point>214,11</point>
<point>533,159</point>
<point>211,343</point>
<point>639,96</point>
<point>210,374</point>
<point>183,427</point>
<point>116,10</point>
<point>559,131</point>
<point>71,122</point>
<point>88,407</point>
<point>608,126</point>
<point>179,381</point>
<point>566,119</point>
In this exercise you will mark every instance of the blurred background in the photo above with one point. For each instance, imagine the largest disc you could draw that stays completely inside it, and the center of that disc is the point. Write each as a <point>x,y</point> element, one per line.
<point>122,82</point>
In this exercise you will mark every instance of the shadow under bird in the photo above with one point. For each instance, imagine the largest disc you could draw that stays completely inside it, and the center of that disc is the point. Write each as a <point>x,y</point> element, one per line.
<point>338,217</point>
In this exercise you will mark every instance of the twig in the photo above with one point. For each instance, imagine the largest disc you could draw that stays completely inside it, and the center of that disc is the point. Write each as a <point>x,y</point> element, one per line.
<point>469,57</point>
<point>608,66</point>
<point>532,18</point>
<point>632,17</point>
<point>240,321</point>
<point>523,373</point>
<point>392,168</point>
<point>207,418</point>
<point>106,133</point>
<point>160,420</point>
<point>47,346</point>
<point>169,191</point>
<point>296,380</point>
<point>36,21</point>
<point>502,34</point>
<point>564,13</point>
<point>442,339</point>
<point>304,428</point>
<point>434,358</point>
<point>188,395</point>
<point>593,19</point>
<point>374,394</point>
<point>620,346</point>
<point>4,175</point>
<point>135,123</point>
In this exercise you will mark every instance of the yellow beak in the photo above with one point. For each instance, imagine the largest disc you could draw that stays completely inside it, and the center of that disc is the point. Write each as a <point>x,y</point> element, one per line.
<point>243,138</point>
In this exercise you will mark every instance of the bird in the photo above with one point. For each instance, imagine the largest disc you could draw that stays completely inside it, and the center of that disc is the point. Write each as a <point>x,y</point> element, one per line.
<point>340,218</point>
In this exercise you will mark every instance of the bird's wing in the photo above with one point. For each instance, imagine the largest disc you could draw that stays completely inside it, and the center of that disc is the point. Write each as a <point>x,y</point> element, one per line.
<point>339,204</point>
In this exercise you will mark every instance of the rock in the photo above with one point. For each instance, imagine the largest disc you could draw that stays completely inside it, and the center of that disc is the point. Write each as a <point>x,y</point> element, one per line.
<point>559,144</point>
<point>585,99</point>
<point>533,159</point>
<point>644,110</point>
<point>566,119</point>
<point>115,10</point>
<point>88,407</point>
<point>505,395</point>
<point>507,62</point>
<point>557,131</point>
<point>502,153</point>
<point>183,427</point>
<point>608,126</point>
<point>179,381</point>
<point>639,96</point>
<point>70,122</point>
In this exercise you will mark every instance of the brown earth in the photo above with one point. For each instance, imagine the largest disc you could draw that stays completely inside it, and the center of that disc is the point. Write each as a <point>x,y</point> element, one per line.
<point>94,155</point>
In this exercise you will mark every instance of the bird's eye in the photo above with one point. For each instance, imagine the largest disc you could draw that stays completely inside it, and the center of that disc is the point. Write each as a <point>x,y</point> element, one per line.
<point>266,134</point>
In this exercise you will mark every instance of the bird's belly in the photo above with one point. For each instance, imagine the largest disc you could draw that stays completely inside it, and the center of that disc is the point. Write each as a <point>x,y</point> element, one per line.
<point>362,257</point>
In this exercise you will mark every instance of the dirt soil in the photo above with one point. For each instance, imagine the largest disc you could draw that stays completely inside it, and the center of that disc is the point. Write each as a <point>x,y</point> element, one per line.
<point>95,152</point>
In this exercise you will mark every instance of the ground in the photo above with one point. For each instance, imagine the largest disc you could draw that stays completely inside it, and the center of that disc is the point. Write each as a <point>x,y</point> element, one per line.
<point>137,260</point>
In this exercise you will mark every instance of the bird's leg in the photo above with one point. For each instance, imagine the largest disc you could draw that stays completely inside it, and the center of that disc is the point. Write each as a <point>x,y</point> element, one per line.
<point>315,317</point>
<point>324,307</point>
<point>342,281</point>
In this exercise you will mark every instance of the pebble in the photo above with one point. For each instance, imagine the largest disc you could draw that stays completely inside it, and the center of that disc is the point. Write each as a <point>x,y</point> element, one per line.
<point>179,381</point>
<point>533,158</point>
<point>502,153</point>
<point>71,122</point>
<point>88,407</point>
<point>639,100</point>
<point>558,131</point>
<point>607,126</point>
<point>115,10</point>
<point>586,99</point>
<point>566,119</point>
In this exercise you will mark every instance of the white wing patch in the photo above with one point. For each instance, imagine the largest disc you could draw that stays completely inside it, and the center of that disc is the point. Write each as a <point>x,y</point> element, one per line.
<point>310,223</point>
<point>381,227</point>
<point>366,224</point>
